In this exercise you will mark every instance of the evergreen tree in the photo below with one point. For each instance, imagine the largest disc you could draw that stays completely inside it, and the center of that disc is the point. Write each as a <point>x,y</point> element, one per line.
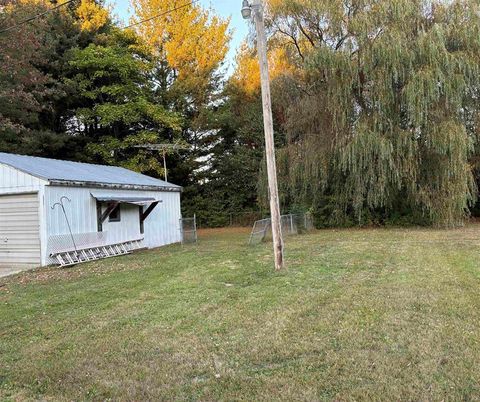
<point>232,148</point>
<point>35,106</point>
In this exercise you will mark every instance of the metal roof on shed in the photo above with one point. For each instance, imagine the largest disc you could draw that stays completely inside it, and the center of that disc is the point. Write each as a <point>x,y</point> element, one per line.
<point>66,172</point>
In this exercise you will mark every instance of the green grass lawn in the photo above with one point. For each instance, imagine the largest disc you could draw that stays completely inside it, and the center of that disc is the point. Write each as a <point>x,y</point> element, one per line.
<point>387,314</point>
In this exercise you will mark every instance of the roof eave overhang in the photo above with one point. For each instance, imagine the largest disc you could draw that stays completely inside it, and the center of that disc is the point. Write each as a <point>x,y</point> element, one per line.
<point>89,184</point>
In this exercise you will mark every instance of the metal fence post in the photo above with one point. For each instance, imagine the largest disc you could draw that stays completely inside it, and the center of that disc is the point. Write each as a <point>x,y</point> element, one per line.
<point>181,228</point>
<point>195,226</point>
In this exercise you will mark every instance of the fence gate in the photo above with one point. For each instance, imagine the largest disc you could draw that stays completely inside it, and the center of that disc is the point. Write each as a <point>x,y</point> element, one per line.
<point>292,224</point>
<point>259,231</point>
<point>188,226</point>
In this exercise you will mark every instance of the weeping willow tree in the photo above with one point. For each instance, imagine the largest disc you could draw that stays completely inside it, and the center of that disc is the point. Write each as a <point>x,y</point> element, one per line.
<point>384,106</point>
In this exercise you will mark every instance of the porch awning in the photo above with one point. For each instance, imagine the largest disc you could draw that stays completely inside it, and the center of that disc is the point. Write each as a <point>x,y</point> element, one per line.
<point>125,199</point>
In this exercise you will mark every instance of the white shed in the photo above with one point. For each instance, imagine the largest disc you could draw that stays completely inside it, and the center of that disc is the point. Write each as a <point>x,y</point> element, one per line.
<point>104,205</point>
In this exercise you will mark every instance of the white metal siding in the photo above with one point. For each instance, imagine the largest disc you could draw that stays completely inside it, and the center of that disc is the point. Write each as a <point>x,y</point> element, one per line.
<point>129,226</point>
<point>81,211</point>
<point>19,230</point>
<point>162,227</point>
<point>14,181</point>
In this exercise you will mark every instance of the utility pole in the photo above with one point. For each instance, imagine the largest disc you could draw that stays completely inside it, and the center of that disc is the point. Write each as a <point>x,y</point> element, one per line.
<point>256,10</point>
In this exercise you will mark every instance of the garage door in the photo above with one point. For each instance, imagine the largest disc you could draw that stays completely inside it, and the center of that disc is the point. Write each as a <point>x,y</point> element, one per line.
<point>19,230</point>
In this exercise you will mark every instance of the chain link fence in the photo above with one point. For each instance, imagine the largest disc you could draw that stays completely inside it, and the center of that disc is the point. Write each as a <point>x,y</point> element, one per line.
<point>228,219</point>
<point>58,243</point>
<point>292,224</point>
<point>259,231</point>
<point>188,227</point>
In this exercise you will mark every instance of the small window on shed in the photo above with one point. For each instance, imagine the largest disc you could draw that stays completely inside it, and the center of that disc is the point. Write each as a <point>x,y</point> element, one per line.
<point>115,215</point>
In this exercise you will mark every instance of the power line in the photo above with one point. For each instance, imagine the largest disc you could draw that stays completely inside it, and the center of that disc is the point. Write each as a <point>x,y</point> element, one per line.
<point>162,14</point>
<point>34,17</point>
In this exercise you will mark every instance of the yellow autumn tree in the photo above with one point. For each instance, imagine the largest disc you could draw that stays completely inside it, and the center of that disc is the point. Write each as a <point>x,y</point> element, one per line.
<point>247,71</point>
<point>192,40</point>
<point>92,16</point>
<point>286,52</point>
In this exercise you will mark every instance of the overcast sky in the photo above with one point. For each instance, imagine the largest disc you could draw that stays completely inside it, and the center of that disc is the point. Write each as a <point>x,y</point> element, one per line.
<point>225,8</point>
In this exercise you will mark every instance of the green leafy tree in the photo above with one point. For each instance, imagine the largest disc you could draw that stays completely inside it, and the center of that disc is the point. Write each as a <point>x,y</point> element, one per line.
<point>112,80</point>
<point>380,121</point>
